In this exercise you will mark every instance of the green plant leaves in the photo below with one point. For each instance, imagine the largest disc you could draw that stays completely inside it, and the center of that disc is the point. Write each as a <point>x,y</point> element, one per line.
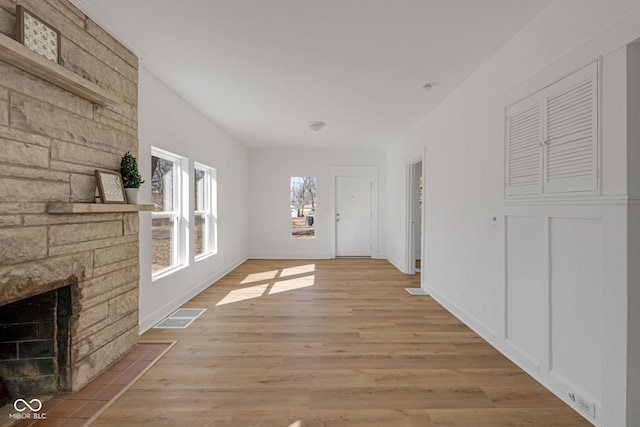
<point>129,170</point>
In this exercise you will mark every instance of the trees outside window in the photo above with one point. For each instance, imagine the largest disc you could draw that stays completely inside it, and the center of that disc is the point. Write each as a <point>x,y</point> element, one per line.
<point>167,225</point>
<point>205,211</point>
<point>303,207</point>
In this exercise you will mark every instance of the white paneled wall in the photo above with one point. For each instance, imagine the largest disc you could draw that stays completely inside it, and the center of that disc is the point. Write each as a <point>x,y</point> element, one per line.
<point>553,285</point>
<point>576,303</point>
<point>527,290</point>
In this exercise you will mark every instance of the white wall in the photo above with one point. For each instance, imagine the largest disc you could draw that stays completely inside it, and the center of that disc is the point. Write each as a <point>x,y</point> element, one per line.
<point>633,218</point>
<point>166,121</point>
<point>547,285</point>
<point>270,219</point>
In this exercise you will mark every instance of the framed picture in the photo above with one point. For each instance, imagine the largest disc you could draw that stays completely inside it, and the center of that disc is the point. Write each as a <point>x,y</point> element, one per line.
<point>37,35</point>
<point>110,187</point>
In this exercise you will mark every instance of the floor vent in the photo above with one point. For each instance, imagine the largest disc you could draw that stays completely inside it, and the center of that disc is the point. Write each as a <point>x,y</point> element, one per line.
<point>180,318</point>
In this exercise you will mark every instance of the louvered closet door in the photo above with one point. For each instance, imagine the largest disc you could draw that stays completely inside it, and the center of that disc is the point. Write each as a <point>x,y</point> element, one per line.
<point>571,143</point>
<point>524,147</point>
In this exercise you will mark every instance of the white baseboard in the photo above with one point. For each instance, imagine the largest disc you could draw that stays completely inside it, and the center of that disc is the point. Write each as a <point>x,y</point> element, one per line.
<point>289,255</point>
<point>396,265</point>
<point>477,326</point>
<point>149,321</point>
<point>552,381</point>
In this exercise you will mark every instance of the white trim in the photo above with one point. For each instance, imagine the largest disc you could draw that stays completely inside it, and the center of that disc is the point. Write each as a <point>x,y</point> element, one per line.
<point>551,380</point>
<point>410,262</point>
<point>209,193</point>
<point>547,301</point>
<point>476,325</point>
<point>588,212</point>
<point>614,199</point>
<point>395,264</point>
<point>167,271</point>
<point>164,214</point>
<point>290,255</point>
<point>522,358</point>
<point>168,155</point>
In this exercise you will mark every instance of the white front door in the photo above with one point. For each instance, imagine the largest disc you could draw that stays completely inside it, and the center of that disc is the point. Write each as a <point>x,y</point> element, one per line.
<point>353,216</point>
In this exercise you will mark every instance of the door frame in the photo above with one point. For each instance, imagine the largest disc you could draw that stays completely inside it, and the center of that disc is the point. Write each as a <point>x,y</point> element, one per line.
<point>410,262</point>
<point>361,171</point>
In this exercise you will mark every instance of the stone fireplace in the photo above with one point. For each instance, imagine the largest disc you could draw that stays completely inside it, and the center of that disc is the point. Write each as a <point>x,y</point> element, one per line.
<point>35,343</point>
<point>78,266</point>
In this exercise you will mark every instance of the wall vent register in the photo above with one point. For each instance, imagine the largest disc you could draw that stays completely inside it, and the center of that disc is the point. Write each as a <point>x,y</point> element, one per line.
<point>552,138</point>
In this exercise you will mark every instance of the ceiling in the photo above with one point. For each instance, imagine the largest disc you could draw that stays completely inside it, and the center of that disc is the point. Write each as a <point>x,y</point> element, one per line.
<point>262,69</point>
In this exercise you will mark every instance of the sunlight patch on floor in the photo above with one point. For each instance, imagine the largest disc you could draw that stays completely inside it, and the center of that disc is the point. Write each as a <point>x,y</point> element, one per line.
<point>258,277</point>
<point>300,269</point>
<point>292,284</point>
<point>304,279</point>
<point>243,294</point>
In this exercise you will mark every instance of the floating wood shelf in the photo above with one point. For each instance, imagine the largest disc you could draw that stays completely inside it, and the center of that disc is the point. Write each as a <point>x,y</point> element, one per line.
<point>90,208</point>
<point>24,58</point>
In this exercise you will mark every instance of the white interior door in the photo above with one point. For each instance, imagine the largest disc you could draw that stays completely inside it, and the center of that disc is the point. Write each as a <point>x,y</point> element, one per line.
<point>353,216</point>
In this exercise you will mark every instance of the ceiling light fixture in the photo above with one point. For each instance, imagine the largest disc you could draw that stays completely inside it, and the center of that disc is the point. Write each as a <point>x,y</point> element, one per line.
<point>316,125</point>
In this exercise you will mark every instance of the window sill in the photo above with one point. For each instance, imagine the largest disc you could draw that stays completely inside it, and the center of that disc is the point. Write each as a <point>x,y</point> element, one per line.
<point>202,257</point>
<point>160,274</point>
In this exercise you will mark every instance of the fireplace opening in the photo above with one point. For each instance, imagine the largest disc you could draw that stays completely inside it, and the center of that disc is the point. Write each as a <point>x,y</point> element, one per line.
<point>35,344</point>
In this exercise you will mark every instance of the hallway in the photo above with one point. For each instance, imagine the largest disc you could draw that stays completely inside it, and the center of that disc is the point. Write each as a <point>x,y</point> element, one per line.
<point>299,343</point>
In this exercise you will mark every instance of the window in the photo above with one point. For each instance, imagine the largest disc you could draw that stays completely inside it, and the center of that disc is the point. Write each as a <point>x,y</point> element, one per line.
<point>552,138</point>
<point>205,215</point>
<point>303,207</point>
<point>167,220</point>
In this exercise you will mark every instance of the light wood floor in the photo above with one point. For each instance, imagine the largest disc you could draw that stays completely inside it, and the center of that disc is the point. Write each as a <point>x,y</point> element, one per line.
<point>330,343</point>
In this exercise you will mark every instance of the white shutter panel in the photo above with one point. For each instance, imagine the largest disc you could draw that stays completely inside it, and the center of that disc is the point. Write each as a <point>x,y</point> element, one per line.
<point>571,140</point>
<point>524,145</point>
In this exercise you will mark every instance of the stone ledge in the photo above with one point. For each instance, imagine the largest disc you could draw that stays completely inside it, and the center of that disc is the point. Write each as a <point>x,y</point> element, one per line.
<point>24,58</point>
<point>86,208</point>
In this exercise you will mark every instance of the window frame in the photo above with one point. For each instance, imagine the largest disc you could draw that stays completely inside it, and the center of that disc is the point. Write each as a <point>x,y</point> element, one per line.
<point>178,246</point>
<point>210,230</point>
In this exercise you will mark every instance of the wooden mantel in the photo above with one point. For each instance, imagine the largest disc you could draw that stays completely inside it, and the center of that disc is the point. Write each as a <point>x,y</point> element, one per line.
<point>24,58</point>
<point>92,208</point>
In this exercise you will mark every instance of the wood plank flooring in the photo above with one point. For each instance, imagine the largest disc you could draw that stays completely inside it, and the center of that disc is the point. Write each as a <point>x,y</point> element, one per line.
<point>300,343</point>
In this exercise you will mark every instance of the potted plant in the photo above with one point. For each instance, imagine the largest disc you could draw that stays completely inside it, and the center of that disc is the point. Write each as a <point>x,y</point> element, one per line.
<point>130,177</point>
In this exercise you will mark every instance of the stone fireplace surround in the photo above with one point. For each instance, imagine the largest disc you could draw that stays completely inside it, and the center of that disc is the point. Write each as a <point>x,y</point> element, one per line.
<point>51,141</point>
